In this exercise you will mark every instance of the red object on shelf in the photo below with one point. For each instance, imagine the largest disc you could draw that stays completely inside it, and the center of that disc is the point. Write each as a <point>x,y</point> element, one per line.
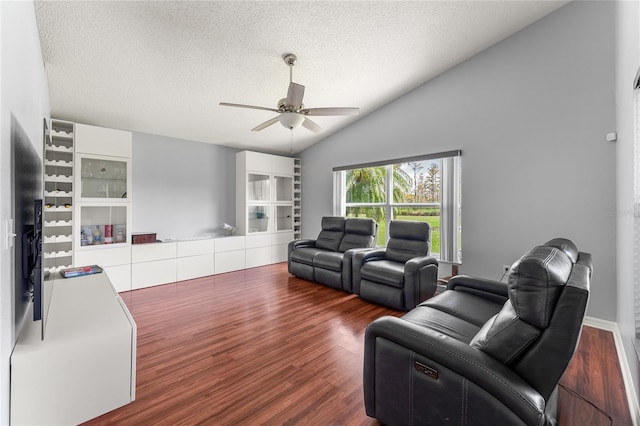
<point>108,234</point>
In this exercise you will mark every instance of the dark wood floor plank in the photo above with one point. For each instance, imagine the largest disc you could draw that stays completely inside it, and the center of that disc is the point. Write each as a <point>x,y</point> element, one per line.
<point>262,347</point>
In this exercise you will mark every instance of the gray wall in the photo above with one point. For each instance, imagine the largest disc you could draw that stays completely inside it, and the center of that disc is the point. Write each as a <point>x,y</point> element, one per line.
<point>530,115</point>
<point>24,96</point>
<point>627,64</point>
<point>181,188</point>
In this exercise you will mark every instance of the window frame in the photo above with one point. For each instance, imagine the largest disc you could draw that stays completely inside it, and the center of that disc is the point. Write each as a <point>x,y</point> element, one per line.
<point>450,243</point>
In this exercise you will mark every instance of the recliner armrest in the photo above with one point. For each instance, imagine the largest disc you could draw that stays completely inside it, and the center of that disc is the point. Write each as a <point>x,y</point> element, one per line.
<point>420,279</point>
<point>495,291</point>
<point>302,243</point>
<point>347,267</point>
<point>371,254</point>
<point>416,263</point>
<point>297,244</point>
<point>359,259</point>
<point>487,373</point>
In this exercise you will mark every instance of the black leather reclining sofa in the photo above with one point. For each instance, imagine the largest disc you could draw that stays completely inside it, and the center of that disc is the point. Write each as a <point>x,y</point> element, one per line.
<point>482,352</point>
<point>328,258</point>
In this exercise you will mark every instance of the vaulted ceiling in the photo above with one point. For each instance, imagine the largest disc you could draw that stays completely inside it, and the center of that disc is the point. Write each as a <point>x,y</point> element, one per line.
<point>163,67</point>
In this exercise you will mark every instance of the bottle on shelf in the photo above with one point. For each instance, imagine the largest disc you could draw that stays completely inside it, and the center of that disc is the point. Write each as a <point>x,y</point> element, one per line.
<point>97,236</point>
<point>108,234</point>
<point>120,235</point>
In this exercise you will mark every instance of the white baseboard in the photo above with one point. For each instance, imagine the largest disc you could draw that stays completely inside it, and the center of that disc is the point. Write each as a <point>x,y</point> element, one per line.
<point>632,399</point>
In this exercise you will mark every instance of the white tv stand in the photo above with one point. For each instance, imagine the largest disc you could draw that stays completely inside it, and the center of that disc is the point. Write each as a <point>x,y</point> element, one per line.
<point>85,366</point>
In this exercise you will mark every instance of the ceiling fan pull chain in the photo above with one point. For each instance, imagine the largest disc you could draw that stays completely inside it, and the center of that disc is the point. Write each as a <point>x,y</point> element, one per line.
<point>291,141</point>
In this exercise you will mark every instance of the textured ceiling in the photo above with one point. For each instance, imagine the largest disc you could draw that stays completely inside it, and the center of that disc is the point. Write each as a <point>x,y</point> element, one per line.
<point>163,67</point>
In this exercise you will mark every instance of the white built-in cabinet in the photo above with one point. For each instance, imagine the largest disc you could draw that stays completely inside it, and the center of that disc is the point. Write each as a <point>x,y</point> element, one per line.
<point>102,209</point>
<point>162,263</point>
<point>88,189</point>
<point>86,364</point>
<point>266,191</point>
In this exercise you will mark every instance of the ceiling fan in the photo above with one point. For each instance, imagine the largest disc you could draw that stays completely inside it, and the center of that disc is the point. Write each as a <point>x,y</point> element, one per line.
<point>291,111</point>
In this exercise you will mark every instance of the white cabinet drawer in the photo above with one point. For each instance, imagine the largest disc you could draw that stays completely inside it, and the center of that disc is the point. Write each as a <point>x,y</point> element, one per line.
<point>103,256</point>
<point>229,261</point>
<point>120,277</point>
<point>230,244</point>
<point>195,266</point>
<point>153,251</point>
<point>254,241</point>
<point>279,253</point>
<point>281,238</point>
<point>258,257</point>
<point>196,247</point>
<point>148,274</point>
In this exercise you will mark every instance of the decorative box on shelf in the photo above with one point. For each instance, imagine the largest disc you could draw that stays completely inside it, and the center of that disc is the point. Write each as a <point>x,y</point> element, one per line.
<point>143,237</point>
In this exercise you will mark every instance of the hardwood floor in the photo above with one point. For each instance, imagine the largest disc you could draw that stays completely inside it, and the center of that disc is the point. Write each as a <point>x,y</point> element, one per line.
<point>262,347</point>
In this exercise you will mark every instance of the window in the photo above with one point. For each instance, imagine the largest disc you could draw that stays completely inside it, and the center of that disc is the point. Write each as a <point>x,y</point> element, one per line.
<point>424,188</point>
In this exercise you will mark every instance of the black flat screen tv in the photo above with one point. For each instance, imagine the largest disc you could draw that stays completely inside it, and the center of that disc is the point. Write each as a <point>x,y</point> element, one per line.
<point>26,176</point>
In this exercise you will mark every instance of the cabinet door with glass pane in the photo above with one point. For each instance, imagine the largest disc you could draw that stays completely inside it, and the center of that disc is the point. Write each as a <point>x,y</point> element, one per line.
<point>102,178</point>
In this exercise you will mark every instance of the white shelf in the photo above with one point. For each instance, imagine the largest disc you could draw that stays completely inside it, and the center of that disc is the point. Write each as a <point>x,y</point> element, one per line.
<point>53,223</point>
<point>58,178</point>
<point>297,188</point>
<point>58,159</point>
<point>58,163</point>
<point>61,134</point>
<point>58,193</point>
<point>53,270</point>
<point>57,254</point>
<point>58,239</point>
<point>58,209</point>
<point>60,148</point>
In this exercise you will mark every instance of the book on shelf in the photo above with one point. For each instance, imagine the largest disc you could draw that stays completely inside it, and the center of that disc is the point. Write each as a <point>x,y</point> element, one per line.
<point>80,271</point>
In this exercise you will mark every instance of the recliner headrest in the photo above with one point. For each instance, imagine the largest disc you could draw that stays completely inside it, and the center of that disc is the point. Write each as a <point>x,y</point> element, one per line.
<point>360,225</point>
<point>409,230</point>
<point>564,245</point>
<point>333,223</point>
<point>536,281</point>
<point>408,239</point>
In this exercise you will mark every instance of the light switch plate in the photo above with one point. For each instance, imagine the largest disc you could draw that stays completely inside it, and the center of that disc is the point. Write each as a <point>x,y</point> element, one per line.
<point>8,234</point>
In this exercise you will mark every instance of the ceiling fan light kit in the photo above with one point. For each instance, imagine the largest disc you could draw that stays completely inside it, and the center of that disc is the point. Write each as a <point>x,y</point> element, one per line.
<point>291,120</point>
<point>292,111</point>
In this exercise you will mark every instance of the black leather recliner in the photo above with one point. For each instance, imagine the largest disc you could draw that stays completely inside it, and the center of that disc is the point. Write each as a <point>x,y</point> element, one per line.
<point>401,275</point>
<point>328,258</point>
<point>482,352</point>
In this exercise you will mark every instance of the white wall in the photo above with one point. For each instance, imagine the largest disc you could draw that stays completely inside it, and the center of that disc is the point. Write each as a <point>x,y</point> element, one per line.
<point>181,188</point>
<point>530,115</point>
<point>627,64</point>
<point>24,96</point>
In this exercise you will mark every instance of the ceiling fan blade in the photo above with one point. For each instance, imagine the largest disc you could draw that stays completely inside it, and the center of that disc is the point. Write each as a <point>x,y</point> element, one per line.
<point>266,124</point>
<point>295,95</point>
<point>311,125</point>
<point>330,111</point>
<point>248,106</point>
